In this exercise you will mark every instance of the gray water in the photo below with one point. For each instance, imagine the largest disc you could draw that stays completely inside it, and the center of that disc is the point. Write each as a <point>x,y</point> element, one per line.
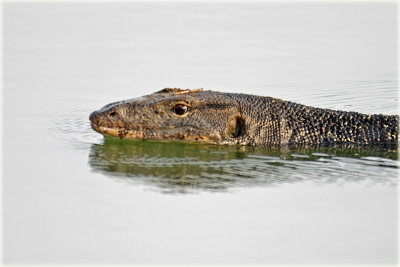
<point>72,197</point>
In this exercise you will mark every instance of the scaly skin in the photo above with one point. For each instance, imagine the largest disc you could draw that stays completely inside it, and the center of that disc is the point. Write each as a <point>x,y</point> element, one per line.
<point>239,119</point>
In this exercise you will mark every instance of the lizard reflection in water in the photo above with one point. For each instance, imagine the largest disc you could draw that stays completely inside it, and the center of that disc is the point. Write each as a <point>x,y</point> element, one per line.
<point>186,168</point>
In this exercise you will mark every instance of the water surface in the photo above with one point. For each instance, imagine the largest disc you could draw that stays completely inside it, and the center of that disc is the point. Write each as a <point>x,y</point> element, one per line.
<point>71,196</point>
<point>186,168</point>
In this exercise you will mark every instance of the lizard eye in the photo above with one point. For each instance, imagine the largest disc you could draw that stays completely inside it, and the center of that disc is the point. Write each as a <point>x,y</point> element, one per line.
<point>180,109</point>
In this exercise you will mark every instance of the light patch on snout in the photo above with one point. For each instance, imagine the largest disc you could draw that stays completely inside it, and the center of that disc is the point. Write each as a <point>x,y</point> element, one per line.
<point>115,132</point>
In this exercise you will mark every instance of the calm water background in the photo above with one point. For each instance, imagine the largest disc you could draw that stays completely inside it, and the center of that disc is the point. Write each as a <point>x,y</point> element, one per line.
<point>72,197</point>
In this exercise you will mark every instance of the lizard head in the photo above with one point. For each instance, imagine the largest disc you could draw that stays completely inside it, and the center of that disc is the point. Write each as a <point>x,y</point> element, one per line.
<point>174,114</point>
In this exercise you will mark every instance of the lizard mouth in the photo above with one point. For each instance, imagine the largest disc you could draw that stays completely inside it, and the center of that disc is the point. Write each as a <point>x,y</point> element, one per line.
<point>117,132</point>
<point>104,129</point>
<point>139,134</point>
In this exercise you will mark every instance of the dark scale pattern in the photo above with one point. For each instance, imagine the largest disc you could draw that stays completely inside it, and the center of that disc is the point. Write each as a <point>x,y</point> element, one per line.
<point>278,122</point>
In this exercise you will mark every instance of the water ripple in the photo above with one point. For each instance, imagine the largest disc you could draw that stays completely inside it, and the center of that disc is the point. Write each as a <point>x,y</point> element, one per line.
<point>350,95</point>
<point>71,125</point>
